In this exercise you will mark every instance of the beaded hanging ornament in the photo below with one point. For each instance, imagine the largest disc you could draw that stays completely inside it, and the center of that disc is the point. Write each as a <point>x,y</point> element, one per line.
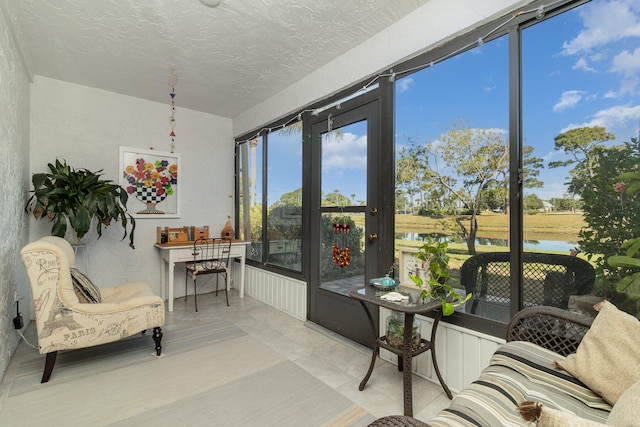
<point>173,82</point>
<point>341,255</point>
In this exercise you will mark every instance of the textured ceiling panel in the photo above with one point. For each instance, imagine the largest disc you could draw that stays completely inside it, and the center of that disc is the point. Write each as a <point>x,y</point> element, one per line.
<point>227,59</point>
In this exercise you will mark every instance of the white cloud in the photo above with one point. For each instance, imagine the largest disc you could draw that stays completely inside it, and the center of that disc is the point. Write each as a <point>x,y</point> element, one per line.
<point>404,84</point>
<point>610,118</point>
<point>605,22</point>
<point>489,88</point>
<point>629,86</point>
<point>627,63</point>
<point>568,99</point>
<point>349,151</point>
<point>581,64</point>
<point>550,155</point>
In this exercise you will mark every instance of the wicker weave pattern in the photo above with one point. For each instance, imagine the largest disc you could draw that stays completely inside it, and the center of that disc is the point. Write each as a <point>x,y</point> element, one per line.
<point>397,421</point>
<point>548,279</point>
<point>550,327</point>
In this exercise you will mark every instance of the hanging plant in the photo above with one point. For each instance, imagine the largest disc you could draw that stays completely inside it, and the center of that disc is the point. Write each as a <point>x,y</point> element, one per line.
<point>67,196</point>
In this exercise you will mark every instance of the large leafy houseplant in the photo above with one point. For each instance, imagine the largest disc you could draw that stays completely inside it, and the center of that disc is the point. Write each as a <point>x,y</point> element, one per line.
<point>75,197</point>
<point>434,254</point>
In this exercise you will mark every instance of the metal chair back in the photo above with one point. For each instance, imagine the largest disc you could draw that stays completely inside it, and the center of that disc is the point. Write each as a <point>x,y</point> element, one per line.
<point>210,256</point>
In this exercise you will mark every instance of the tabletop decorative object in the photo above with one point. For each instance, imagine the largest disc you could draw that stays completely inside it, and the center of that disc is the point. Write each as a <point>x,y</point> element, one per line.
<point>227,232</point>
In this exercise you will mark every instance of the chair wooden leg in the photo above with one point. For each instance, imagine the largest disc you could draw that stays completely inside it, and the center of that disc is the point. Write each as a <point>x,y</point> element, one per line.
<point>48,366</point>
<point>186,279</point>
<point>157,338</point>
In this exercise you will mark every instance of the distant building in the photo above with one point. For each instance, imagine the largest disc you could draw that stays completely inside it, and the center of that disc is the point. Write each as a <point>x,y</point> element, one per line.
<point>548,207</point>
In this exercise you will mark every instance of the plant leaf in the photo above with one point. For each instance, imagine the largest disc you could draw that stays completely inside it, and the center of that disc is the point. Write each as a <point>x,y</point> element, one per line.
<point>447,308</point>
<point>623,261</point>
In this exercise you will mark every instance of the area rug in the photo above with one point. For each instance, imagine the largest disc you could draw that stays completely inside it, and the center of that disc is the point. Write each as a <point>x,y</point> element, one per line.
<point>127,352</point>
<point>216,375</point>
<point>283,395</point>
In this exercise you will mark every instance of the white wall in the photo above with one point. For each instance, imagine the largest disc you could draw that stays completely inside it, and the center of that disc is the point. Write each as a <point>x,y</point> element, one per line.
<point>85,126</point>
<point>426,27</point>
<point>14,181</point>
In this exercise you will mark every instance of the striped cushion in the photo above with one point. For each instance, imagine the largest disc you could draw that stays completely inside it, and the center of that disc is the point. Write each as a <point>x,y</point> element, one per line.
<point>520,371</point>
<point>84,288</point>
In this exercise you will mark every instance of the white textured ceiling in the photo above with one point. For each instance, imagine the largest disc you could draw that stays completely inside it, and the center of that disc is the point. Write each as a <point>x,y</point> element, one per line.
<point>227,59</point>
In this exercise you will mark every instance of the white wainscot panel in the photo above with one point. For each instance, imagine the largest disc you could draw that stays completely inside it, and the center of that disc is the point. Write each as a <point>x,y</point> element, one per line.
<point>280,292</point>
<point>461,353</point>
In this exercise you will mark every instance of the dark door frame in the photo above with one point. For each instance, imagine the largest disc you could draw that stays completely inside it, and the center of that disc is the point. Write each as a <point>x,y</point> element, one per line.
<point>337,312</point>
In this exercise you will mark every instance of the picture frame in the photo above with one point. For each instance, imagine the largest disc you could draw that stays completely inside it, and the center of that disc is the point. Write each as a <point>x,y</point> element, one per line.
<point>152,181</point>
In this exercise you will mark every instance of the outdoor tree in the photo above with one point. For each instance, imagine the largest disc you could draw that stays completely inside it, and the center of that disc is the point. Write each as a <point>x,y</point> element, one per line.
<point>474,157</point>
<point>401,203</point>
<point>579,145</point>
<point>612,215</point>
<point>335,198</point>
<point>531,202</point>
<point>407,174</point>
<point>292,198</point>
<point>531,165</point>
<point>566,203</point>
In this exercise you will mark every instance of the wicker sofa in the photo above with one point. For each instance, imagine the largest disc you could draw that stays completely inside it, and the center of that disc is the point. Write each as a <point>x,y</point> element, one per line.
<point>523,369</point>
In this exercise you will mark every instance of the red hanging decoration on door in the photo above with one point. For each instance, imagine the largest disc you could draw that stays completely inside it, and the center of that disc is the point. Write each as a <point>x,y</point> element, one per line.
<point>341,256</point>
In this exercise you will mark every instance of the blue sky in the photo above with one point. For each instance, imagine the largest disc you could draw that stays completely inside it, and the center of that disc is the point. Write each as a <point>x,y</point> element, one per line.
<point>581,68</point>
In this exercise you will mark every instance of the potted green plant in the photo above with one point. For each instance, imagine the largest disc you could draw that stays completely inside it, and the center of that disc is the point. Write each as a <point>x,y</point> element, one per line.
<point>75,197</point>
<point>395,331</point>
<point>628,264</point>
<point>433,255</point>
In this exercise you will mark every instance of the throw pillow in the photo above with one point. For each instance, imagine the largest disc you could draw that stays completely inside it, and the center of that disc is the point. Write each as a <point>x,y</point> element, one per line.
<point>548,417</point>
<point>84,288</point>
<point>625,411</point>
<point>606,359</point>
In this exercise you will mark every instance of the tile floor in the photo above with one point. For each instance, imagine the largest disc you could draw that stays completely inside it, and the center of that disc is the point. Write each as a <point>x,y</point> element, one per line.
<point>337,362</point>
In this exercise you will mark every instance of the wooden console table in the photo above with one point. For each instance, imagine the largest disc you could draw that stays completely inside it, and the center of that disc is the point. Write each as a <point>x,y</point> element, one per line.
<point>410,308</point>
<point>171,253</point>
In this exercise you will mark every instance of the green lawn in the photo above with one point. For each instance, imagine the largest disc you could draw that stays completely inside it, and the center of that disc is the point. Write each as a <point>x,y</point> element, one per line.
<point>543,226</point>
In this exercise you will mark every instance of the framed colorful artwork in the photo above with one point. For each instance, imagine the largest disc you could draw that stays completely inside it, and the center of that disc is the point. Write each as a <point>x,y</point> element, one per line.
<point>152,181</point>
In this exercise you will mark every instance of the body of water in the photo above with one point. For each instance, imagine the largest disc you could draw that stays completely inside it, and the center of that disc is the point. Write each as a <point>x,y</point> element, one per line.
<point>538,245</point>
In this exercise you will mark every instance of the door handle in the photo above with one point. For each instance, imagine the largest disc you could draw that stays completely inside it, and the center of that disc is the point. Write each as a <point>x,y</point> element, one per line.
<point>372,237</point>
<point>374,211</point>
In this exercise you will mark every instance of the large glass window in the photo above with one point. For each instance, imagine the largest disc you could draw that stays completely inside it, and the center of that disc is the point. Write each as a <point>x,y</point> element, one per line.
<point>250,203</point>
<point>533,157</point>
<point>452,166</point>
<point>284,197</point>
<point>273,224</point>
<point>576,162</point>
<point>581,112</point>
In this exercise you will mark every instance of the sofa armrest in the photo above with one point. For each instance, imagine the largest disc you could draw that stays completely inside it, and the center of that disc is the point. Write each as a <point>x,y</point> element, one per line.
<point>553,328</point>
